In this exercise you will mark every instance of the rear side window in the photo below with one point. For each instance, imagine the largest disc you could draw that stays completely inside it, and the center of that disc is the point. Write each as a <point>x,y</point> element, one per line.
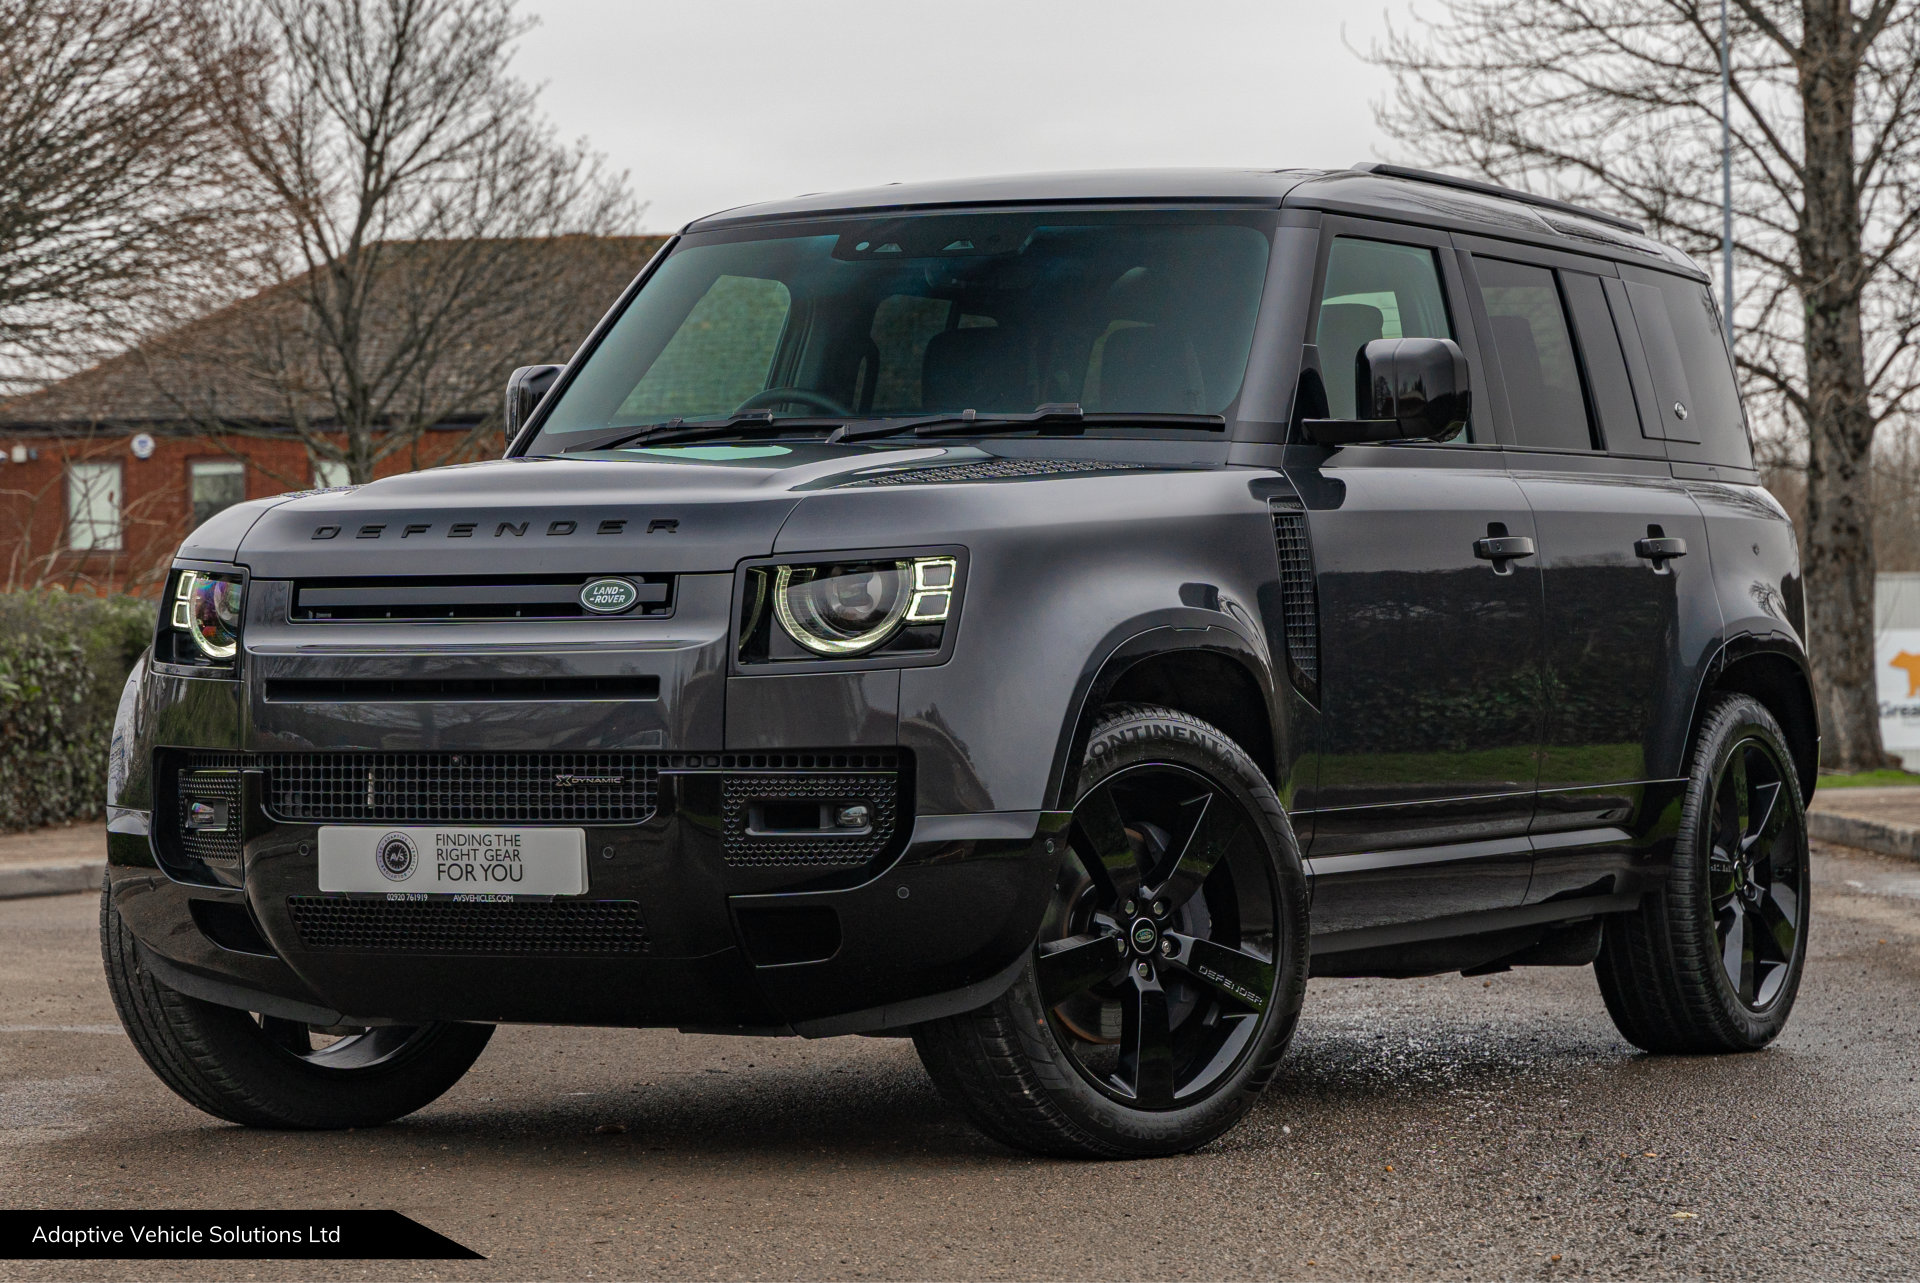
<point>1535,348</point>
<point>1693,385</point>
<point>1374,290</point>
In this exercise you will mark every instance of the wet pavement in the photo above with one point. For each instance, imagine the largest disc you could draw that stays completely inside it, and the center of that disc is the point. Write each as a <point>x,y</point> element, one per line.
<point>1460,1128</point>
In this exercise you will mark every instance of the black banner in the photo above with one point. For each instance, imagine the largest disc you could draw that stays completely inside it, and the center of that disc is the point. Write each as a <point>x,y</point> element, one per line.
<point>222,1236</point>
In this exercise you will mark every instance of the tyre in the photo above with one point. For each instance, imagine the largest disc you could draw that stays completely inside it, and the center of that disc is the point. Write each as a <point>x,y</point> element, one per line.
<point>265,1072</point>
<point>1170,967</point>
<point>1712,960</point>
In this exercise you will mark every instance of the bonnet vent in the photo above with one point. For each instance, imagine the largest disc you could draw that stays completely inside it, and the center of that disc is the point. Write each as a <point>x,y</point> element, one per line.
<point>991,470</point>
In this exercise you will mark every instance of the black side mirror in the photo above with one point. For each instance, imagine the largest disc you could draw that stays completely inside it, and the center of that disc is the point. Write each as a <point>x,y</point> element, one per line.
<point>1404,390</point>
<point>525,387</point>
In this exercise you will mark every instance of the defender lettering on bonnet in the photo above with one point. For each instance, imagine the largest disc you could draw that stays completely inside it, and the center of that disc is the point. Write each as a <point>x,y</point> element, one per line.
<point>558,529</point>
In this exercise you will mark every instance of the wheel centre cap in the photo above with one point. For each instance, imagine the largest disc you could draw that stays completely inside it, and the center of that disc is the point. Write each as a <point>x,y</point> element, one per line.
<point>1143,935</point>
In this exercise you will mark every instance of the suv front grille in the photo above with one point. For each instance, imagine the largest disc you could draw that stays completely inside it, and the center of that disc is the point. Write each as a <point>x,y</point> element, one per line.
<point>385,926</point>
<point>550,788</point>
<point>470,597</point>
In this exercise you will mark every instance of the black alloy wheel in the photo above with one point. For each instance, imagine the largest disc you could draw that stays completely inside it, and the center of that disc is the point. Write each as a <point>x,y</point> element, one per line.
<point>1711,959</point>
<point>1160,961</point>
<point>1169,966</point>
<point>1757,872</point>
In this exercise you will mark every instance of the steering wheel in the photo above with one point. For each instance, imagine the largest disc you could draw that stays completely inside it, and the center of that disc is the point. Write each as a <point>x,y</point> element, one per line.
<point>767,399</point>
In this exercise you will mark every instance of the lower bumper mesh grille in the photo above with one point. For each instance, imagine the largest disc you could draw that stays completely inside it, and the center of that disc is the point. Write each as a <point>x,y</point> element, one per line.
<point>554,788</point>
<point>556,929</point>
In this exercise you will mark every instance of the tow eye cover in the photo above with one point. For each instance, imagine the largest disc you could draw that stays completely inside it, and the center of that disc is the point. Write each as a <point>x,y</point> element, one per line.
<point>609,596</point>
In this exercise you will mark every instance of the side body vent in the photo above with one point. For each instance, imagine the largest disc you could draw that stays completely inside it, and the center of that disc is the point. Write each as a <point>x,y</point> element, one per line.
<point>1299,599</point>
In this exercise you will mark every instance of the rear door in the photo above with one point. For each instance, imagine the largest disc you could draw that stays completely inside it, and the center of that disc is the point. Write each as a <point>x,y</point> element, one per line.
<point>1430,656</point>
<point>1622,553</point>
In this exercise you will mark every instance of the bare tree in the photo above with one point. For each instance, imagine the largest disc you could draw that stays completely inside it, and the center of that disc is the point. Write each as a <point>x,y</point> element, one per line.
<point>1618,102</point>
<point>412,184</point>
<point>113,186</point>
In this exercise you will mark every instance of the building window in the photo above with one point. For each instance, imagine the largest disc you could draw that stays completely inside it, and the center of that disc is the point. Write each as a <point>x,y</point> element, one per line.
<point>215,484</point>
<point>328,473</point>
<point>93,507</point>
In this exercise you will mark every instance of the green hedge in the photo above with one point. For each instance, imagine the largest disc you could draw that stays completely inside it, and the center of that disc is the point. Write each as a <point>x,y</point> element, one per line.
<point>63,660</point>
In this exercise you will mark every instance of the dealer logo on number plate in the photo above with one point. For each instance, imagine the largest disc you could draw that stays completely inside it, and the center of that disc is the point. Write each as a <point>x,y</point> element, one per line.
<point>396,856</point>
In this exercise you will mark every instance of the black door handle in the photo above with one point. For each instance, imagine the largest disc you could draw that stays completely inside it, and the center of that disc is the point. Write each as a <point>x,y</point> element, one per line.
<point>1500,549</point>
<point>1658,550</point>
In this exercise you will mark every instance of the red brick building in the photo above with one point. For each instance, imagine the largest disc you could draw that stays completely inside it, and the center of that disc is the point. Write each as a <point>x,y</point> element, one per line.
<point>103,473</point>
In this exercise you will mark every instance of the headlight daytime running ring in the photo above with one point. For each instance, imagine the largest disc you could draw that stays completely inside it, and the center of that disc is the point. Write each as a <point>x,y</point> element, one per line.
<point>810,625</point>
<point>207,609</point>
<point>893,593</point>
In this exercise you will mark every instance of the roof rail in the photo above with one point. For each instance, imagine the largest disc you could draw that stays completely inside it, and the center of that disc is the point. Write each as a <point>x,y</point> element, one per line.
<point>1494,189</point>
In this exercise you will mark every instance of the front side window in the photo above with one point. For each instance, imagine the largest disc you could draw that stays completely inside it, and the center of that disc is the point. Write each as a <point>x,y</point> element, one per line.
<point>215,485</point>
<point>1374,290</point>
<point>93,507</point>
<point>1125,312</point>
<point>1535,350</point>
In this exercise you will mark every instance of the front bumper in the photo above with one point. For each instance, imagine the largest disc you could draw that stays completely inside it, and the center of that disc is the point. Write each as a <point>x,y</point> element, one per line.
<point>671,932</point>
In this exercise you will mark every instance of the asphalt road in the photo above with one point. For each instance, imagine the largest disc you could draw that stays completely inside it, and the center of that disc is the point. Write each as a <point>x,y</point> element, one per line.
<point>1455,1127</point>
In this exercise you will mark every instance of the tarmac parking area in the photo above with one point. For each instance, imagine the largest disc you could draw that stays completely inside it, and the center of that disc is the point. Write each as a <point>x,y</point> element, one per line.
<point>1490,1127</point>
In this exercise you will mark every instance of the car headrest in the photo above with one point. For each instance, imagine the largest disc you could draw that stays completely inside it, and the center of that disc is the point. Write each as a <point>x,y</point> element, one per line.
<point>1150,367</point>
<point>1345,328</point>
<point>1520,366</point>
<point>982,368</point>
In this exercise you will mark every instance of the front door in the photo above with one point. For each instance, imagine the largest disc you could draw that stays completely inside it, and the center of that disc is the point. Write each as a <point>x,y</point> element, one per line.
<point>1430,656</point>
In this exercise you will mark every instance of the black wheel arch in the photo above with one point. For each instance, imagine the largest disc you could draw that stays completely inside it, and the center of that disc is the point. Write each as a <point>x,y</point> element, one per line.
<point>1203,669</point>
<point>1774,671</point>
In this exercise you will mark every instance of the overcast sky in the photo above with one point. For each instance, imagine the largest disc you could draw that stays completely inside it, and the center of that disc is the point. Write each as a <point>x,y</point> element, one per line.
<point>714,103</point>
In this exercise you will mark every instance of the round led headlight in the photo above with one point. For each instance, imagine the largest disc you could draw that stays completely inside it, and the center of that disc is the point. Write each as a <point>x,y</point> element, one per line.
<point>842,609</point>
<point>207,609</point>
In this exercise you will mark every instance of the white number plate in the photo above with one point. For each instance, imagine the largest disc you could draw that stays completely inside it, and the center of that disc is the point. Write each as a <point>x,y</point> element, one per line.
<point>440,861</point>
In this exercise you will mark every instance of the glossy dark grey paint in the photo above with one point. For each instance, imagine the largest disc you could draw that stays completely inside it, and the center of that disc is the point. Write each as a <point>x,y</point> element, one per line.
<point>1487,757</point>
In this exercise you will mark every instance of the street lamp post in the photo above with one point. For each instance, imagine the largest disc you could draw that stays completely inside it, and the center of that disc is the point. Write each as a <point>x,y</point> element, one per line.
<point>1726,182</point>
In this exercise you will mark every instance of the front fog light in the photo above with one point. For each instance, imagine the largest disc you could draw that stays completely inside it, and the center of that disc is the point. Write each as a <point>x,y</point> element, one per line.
<point>207,609</point>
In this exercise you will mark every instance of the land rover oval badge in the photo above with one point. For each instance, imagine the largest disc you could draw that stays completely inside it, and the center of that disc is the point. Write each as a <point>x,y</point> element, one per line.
<point>609,596</point>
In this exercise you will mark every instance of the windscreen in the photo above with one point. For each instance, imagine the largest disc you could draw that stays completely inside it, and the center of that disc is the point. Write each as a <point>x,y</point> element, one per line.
<point>996,313</point>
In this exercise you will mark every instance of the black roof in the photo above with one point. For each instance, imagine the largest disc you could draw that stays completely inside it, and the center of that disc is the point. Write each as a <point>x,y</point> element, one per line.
<point>1371,190</point>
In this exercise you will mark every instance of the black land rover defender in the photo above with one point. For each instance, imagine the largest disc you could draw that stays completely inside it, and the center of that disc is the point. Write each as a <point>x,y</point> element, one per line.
<point>1047,617</point>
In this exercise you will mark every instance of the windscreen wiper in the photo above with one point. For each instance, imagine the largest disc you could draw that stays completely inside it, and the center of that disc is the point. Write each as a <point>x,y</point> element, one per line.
<point>969,422</point>
<point>752,423</point>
